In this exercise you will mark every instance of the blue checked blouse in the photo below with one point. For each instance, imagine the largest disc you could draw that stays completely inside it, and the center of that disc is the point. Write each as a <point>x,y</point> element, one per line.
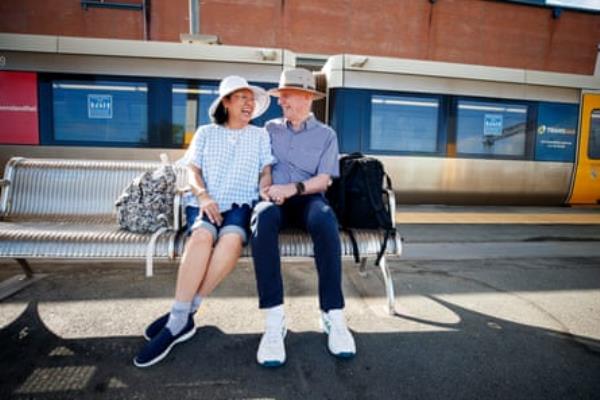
<point>231,161</point>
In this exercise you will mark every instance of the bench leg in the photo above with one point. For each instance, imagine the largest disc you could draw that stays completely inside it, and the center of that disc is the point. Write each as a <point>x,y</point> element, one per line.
<point>150,251</point>
<point>26,267</point>
<point>16,283</point>
<point>389,286</point>
<point>362,268</point>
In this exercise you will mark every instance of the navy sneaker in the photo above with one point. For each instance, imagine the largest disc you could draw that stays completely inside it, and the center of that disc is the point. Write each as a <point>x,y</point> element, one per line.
<point>155,327</point>
<point>158,348</point>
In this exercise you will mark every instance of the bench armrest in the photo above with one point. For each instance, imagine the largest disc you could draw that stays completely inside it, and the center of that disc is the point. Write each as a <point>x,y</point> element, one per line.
<point>4,185</point>
<point>178,207</point>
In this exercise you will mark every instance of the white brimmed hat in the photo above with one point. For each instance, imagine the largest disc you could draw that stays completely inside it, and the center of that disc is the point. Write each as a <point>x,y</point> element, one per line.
<point>234,83</point>
<point>297,79</point>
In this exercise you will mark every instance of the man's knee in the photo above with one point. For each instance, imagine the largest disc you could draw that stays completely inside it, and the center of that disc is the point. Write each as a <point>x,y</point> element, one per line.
<point>321,218</point>
<point>265,213</point>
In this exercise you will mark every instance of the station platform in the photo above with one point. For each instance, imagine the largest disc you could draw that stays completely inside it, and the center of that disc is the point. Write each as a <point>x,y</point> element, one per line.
<point>491,305</point>
<point>439,214</point>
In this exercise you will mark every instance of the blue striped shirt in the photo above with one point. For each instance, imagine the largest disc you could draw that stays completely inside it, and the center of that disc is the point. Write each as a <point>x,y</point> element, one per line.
<point>231,161</point>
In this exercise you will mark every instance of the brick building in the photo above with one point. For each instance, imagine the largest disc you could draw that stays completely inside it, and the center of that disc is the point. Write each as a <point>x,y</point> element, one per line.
<point>484,32</point>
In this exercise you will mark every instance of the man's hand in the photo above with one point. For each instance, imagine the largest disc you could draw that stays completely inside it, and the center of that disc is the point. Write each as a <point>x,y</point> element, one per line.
<point>280,193</point>
<point>210,207</point>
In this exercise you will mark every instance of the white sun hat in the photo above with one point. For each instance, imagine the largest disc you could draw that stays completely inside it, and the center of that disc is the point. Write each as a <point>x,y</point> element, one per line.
<point>299,79</point>
<point>234,83</point>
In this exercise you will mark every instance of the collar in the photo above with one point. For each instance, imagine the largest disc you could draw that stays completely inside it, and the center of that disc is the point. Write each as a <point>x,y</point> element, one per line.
<point>308,123</point>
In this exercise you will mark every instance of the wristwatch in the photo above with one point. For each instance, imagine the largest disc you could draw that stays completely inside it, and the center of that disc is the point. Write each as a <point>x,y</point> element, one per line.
<point>300,188</point>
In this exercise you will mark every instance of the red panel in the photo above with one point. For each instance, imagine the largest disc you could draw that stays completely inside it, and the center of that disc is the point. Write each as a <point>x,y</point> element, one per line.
<point>18,108</point>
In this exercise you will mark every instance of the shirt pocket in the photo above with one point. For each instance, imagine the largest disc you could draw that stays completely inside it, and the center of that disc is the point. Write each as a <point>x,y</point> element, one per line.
<point>306,159</point>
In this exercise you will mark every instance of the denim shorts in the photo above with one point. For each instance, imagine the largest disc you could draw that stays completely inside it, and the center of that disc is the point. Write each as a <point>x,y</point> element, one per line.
<point>235,220</point>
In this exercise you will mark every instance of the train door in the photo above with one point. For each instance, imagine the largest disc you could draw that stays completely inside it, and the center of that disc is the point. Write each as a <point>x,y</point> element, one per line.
<point>586,184</point>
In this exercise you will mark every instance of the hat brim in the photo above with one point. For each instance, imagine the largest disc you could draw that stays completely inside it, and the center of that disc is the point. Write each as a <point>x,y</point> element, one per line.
<point>261,101</point>
<point>276,91</point>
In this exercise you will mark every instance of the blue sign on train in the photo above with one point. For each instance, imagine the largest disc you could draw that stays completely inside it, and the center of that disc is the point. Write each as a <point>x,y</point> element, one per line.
<point>492,124</point>
<point>100,106</point>
<point>556,133</point>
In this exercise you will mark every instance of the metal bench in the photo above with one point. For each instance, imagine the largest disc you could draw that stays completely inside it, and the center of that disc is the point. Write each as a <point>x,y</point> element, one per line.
<point>64,209</point>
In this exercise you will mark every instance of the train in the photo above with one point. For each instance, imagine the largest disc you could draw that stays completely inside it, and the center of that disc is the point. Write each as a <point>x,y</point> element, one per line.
<point>447,133</point>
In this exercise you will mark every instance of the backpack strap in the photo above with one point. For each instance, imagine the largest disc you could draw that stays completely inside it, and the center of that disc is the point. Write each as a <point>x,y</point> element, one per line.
<point>383,247</point>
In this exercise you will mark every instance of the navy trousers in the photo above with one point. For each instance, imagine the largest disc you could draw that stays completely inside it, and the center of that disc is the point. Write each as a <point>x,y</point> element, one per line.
<point>312,214</point>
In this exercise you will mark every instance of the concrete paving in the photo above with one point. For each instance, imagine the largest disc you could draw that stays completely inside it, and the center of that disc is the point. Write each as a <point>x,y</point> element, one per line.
<point>518,326</point>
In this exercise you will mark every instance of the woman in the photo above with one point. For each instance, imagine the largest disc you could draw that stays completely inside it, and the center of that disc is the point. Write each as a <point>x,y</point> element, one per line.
<point>228,161</point>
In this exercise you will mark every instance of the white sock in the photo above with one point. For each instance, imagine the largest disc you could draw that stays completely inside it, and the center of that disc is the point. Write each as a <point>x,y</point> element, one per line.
<point>196,301</point>
<point>274,315</point>
<point>179,316</point>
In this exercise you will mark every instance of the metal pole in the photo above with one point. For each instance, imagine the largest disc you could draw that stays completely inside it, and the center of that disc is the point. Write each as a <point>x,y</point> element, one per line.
<point>194,17</point>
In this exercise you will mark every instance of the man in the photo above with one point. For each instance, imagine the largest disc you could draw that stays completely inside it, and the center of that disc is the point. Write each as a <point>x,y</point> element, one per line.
<point>306,158</point>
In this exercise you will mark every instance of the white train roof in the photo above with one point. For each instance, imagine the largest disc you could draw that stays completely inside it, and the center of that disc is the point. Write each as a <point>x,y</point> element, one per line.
<point>385,73</point>
<point>46,53</point>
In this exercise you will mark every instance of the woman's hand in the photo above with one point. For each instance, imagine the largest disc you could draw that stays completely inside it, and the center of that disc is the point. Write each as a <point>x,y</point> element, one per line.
<point>264,193</point>
<point>210,208</point>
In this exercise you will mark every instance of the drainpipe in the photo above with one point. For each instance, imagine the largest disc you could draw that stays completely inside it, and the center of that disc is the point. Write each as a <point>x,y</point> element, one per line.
<point>194,17</point>
<point>145,18</point>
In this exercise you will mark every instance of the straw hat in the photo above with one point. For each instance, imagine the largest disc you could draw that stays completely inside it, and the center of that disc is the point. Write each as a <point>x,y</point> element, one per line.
<point>297,79</point>
<point>234,83</point>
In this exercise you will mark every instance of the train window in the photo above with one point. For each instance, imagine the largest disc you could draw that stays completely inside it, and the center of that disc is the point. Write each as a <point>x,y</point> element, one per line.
<point>100,111</point>
<point>594,146</point>
<point>404,123</point>
<point>190,109</point>
<point>556,132</point>
<point>491,128</point>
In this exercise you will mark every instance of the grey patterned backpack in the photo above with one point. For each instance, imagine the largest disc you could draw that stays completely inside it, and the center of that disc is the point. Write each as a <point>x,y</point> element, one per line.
<point>146,204</point>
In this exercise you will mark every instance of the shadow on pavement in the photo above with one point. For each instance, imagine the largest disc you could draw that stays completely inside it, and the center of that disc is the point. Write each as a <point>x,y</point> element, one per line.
<point>479,357</point>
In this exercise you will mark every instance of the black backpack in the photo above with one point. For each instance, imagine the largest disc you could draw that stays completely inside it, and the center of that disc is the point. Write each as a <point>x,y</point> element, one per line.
<point>360,200</point>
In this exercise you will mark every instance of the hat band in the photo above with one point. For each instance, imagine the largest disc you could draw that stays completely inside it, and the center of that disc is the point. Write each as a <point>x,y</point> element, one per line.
<point>298,85</point>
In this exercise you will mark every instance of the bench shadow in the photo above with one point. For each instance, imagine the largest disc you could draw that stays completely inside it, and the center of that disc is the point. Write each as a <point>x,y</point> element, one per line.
<point>479,357</point>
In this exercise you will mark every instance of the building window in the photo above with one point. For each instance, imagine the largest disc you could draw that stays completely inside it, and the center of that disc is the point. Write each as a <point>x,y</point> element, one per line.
<point>594,145</point>
<point>556,132</point>
<point>190,109</point>
<point>404,123</point>
<point>100,111</point>
<point>491,128</point>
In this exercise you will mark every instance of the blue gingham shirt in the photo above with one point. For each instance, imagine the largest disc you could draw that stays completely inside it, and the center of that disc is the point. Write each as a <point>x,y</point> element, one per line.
<point>301,155</point>
<point>231,161</point>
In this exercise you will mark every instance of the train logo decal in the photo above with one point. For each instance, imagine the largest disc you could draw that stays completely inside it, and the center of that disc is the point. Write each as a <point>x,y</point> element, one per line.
<point>541,129</point>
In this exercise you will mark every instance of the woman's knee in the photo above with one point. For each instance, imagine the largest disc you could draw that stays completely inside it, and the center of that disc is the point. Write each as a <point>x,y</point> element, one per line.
<point>201,237</point>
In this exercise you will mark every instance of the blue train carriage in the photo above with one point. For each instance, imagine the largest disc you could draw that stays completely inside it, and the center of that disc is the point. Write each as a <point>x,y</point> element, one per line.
<point>467,134</point>
<point>70,97</point>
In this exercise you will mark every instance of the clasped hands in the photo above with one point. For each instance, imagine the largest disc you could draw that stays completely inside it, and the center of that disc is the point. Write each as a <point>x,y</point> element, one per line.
<point>278,194</point>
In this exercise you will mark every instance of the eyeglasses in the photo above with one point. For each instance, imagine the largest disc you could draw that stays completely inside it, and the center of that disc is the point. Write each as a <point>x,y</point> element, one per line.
<point>243,97</point>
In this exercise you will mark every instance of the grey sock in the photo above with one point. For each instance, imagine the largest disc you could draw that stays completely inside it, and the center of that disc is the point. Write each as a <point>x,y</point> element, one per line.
<point>179,316</point>
<point>196,301</point>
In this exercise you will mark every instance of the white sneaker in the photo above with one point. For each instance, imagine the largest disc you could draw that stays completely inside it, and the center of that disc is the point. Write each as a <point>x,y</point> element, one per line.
<point>271,350</point>
<point>339,340</point>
